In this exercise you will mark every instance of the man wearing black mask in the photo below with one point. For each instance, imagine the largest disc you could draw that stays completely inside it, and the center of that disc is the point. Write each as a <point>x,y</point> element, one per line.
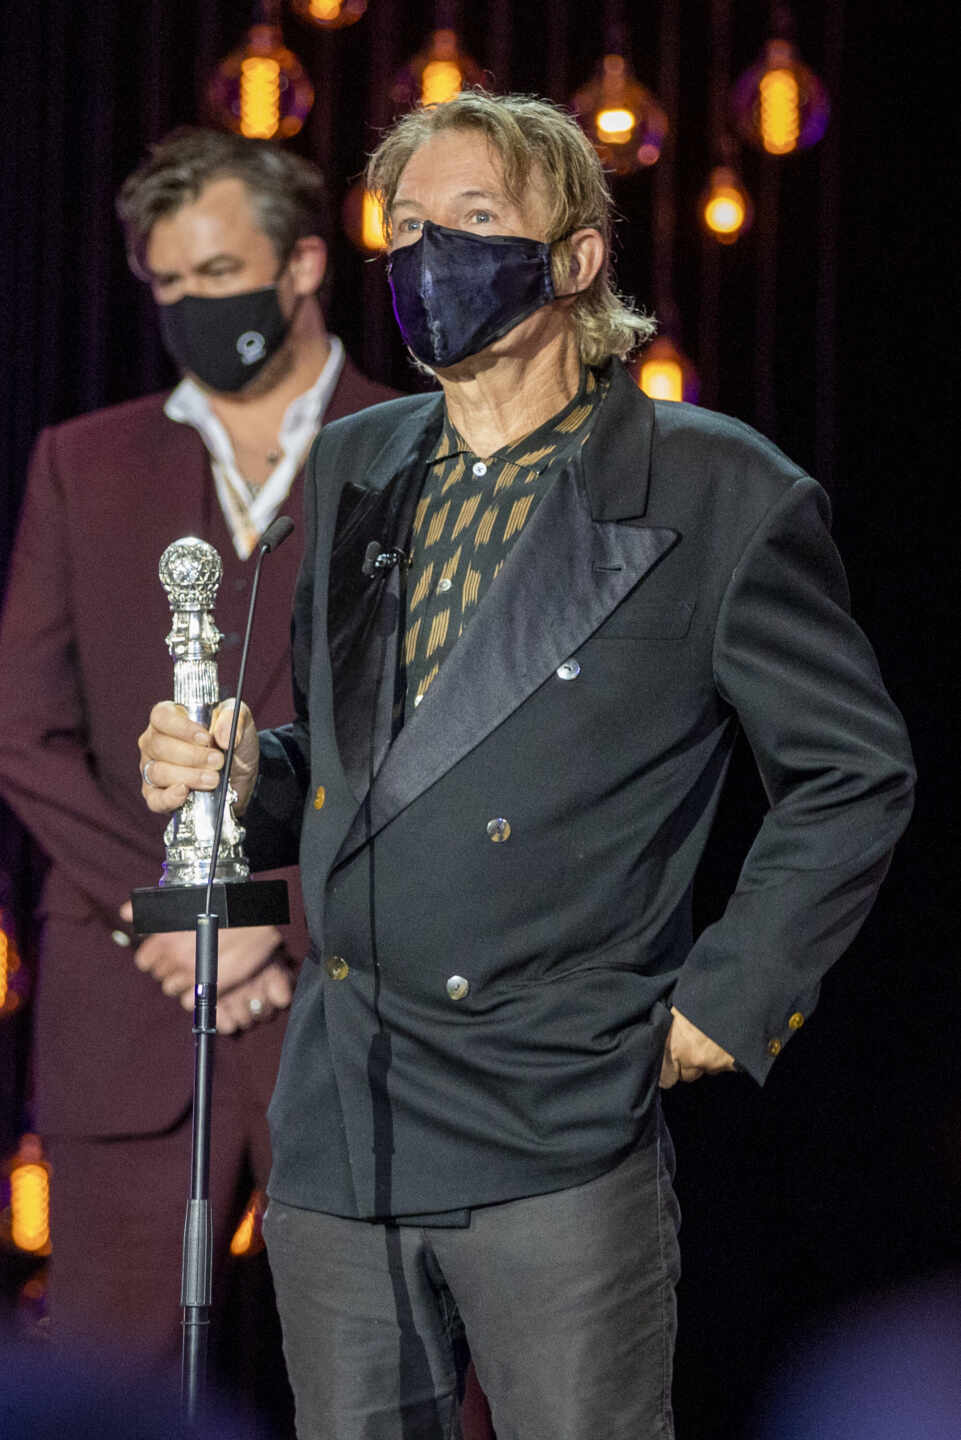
<point>231,235</point>
<point>519,669</point>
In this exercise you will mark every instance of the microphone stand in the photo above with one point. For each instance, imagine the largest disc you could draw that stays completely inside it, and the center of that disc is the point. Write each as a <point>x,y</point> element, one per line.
<point>197,1271</point>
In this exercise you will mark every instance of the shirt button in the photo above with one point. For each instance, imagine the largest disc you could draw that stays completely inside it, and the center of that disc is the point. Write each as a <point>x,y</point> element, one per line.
<point>774,1047</point>
<point>479,468</point>
<point>568,671</point>
<point>443,586</point>
<point>458,987</point>
<point>336,967</point>
<point>796,1021</point>
<point>499,829</point>
<point>121,938</point>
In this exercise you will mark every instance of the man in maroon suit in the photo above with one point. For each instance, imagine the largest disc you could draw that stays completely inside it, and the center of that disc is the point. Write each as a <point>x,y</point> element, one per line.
<point>230,234</point>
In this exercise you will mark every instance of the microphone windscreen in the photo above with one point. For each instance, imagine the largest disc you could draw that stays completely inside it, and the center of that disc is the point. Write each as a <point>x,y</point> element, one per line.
<point>276,532</point>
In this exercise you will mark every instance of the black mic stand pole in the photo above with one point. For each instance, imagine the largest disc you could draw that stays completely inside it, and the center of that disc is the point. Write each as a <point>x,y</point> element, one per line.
<point>197,1272</point>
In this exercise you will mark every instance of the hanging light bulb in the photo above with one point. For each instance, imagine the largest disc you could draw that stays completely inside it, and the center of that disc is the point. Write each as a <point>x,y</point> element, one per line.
<point>665,373</point>
<point>261,90</point>
<point>779,104</point>
<point>29,1181</point>
<point>7,954</point>
<point>625,123</point>
<point>437,73</point>
<point>14,981</point>
<point>329,14</point>
<point>364,219</point>
<point>726,209</point>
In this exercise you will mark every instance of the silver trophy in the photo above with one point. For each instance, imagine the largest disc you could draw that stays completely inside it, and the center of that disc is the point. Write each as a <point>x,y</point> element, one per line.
<point>190,572</point>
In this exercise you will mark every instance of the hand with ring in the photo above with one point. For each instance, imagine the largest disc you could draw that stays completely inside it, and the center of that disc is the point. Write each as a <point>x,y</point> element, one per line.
<point>257,1000</point>
<point>177,755</point>
<point>244,953</point>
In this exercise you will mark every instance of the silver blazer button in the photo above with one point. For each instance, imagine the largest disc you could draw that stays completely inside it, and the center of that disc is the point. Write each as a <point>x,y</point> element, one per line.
<point>499,829</point>
<point>457,987</point>
<point>568,671</point>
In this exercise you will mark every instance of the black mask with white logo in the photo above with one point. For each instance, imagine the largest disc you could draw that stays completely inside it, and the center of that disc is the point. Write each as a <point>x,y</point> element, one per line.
<point>225,340</point>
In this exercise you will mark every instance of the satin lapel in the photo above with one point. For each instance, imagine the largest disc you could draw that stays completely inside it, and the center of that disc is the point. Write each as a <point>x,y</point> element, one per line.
<point>366,512</point>
<point>563,577</point>
<point>364,612</point>
<point>363,626</point>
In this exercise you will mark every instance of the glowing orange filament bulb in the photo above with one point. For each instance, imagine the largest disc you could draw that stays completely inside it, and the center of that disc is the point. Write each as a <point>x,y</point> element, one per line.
<point>259,97</point>
<point>780,112</point>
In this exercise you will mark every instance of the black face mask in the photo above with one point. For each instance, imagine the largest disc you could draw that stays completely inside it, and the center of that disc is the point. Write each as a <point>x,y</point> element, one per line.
<point>454,292</point>
<point>225,340</point>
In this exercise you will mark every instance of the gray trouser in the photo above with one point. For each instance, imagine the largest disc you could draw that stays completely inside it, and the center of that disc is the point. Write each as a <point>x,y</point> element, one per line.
<point>567,1301</point>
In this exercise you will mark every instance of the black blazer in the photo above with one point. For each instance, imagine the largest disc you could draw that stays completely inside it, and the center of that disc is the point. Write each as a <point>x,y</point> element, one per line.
<point>484,1017</point>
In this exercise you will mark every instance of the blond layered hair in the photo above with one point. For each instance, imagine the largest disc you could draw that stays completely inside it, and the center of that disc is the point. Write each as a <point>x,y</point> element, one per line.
<point>532,136</point>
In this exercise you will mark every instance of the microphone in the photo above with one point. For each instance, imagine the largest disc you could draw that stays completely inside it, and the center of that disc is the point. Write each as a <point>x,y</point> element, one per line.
<point>276,533</point>
<point>377,558</point>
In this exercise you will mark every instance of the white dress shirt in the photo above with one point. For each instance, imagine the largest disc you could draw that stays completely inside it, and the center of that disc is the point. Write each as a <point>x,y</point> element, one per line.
<point>249,509</point>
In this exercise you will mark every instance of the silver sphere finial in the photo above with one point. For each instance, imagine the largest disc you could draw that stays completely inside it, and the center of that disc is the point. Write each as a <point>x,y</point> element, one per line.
<point>190,572</point>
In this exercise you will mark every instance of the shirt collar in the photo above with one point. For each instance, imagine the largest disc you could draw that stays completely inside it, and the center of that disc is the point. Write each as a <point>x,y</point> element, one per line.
<point>189,403</point>
<point>249,512</point>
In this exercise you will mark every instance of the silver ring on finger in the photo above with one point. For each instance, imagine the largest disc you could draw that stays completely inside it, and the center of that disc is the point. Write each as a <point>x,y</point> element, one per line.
<point>145,775</point>
<point>256,1006</point>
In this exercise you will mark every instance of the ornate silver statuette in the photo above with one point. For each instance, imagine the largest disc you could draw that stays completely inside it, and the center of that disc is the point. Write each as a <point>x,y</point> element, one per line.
<point>190,572</point>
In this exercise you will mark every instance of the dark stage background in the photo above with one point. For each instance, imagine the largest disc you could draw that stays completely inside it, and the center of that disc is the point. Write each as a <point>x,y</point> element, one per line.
<point>830,331</point>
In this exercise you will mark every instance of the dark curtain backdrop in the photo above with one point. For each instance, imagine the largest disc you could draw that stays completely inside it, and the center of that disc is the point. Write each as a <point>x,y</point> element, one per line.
<point>827,326</point>
<point>88,87</point>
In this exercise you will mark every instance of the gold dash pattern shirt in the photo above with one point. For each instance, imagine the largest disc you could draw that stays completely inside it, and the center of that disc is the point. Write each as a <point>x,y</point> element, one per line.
<point>470,513</point>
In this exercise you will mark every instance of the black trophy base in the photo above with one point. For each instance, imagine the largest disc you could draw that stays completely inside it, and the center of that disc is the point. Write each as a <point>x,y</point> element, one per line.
<point>158,908</point>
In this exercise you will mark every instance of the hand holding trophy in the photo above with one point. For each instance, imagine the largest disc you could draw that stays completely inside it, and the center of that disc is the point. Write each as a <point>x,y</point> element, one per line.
<point>185,777</point>
<point>190,572</point>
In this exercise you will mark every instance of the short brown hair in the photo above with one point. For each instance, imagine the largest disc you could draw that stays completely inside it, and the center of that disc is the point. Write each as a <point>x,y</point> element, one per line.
<point>288,193</point>
<point>528,133</point>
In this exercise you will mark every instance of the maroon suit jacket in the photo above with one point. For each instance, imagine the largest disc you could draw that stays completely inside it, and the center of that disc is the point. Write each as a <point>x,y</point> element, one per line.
<point>83,658</point>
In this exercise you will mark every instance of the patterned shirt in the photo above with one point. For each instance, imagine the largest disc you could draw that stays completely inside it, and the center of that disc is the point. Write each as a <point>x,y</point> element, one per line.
<point>470,513</point>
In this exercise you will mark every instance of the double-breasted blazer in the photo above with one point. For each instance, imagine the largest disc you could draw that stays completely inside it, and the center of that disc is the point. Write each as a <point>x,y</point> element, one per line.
<point>83,658</point>
<point>499,895</point>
